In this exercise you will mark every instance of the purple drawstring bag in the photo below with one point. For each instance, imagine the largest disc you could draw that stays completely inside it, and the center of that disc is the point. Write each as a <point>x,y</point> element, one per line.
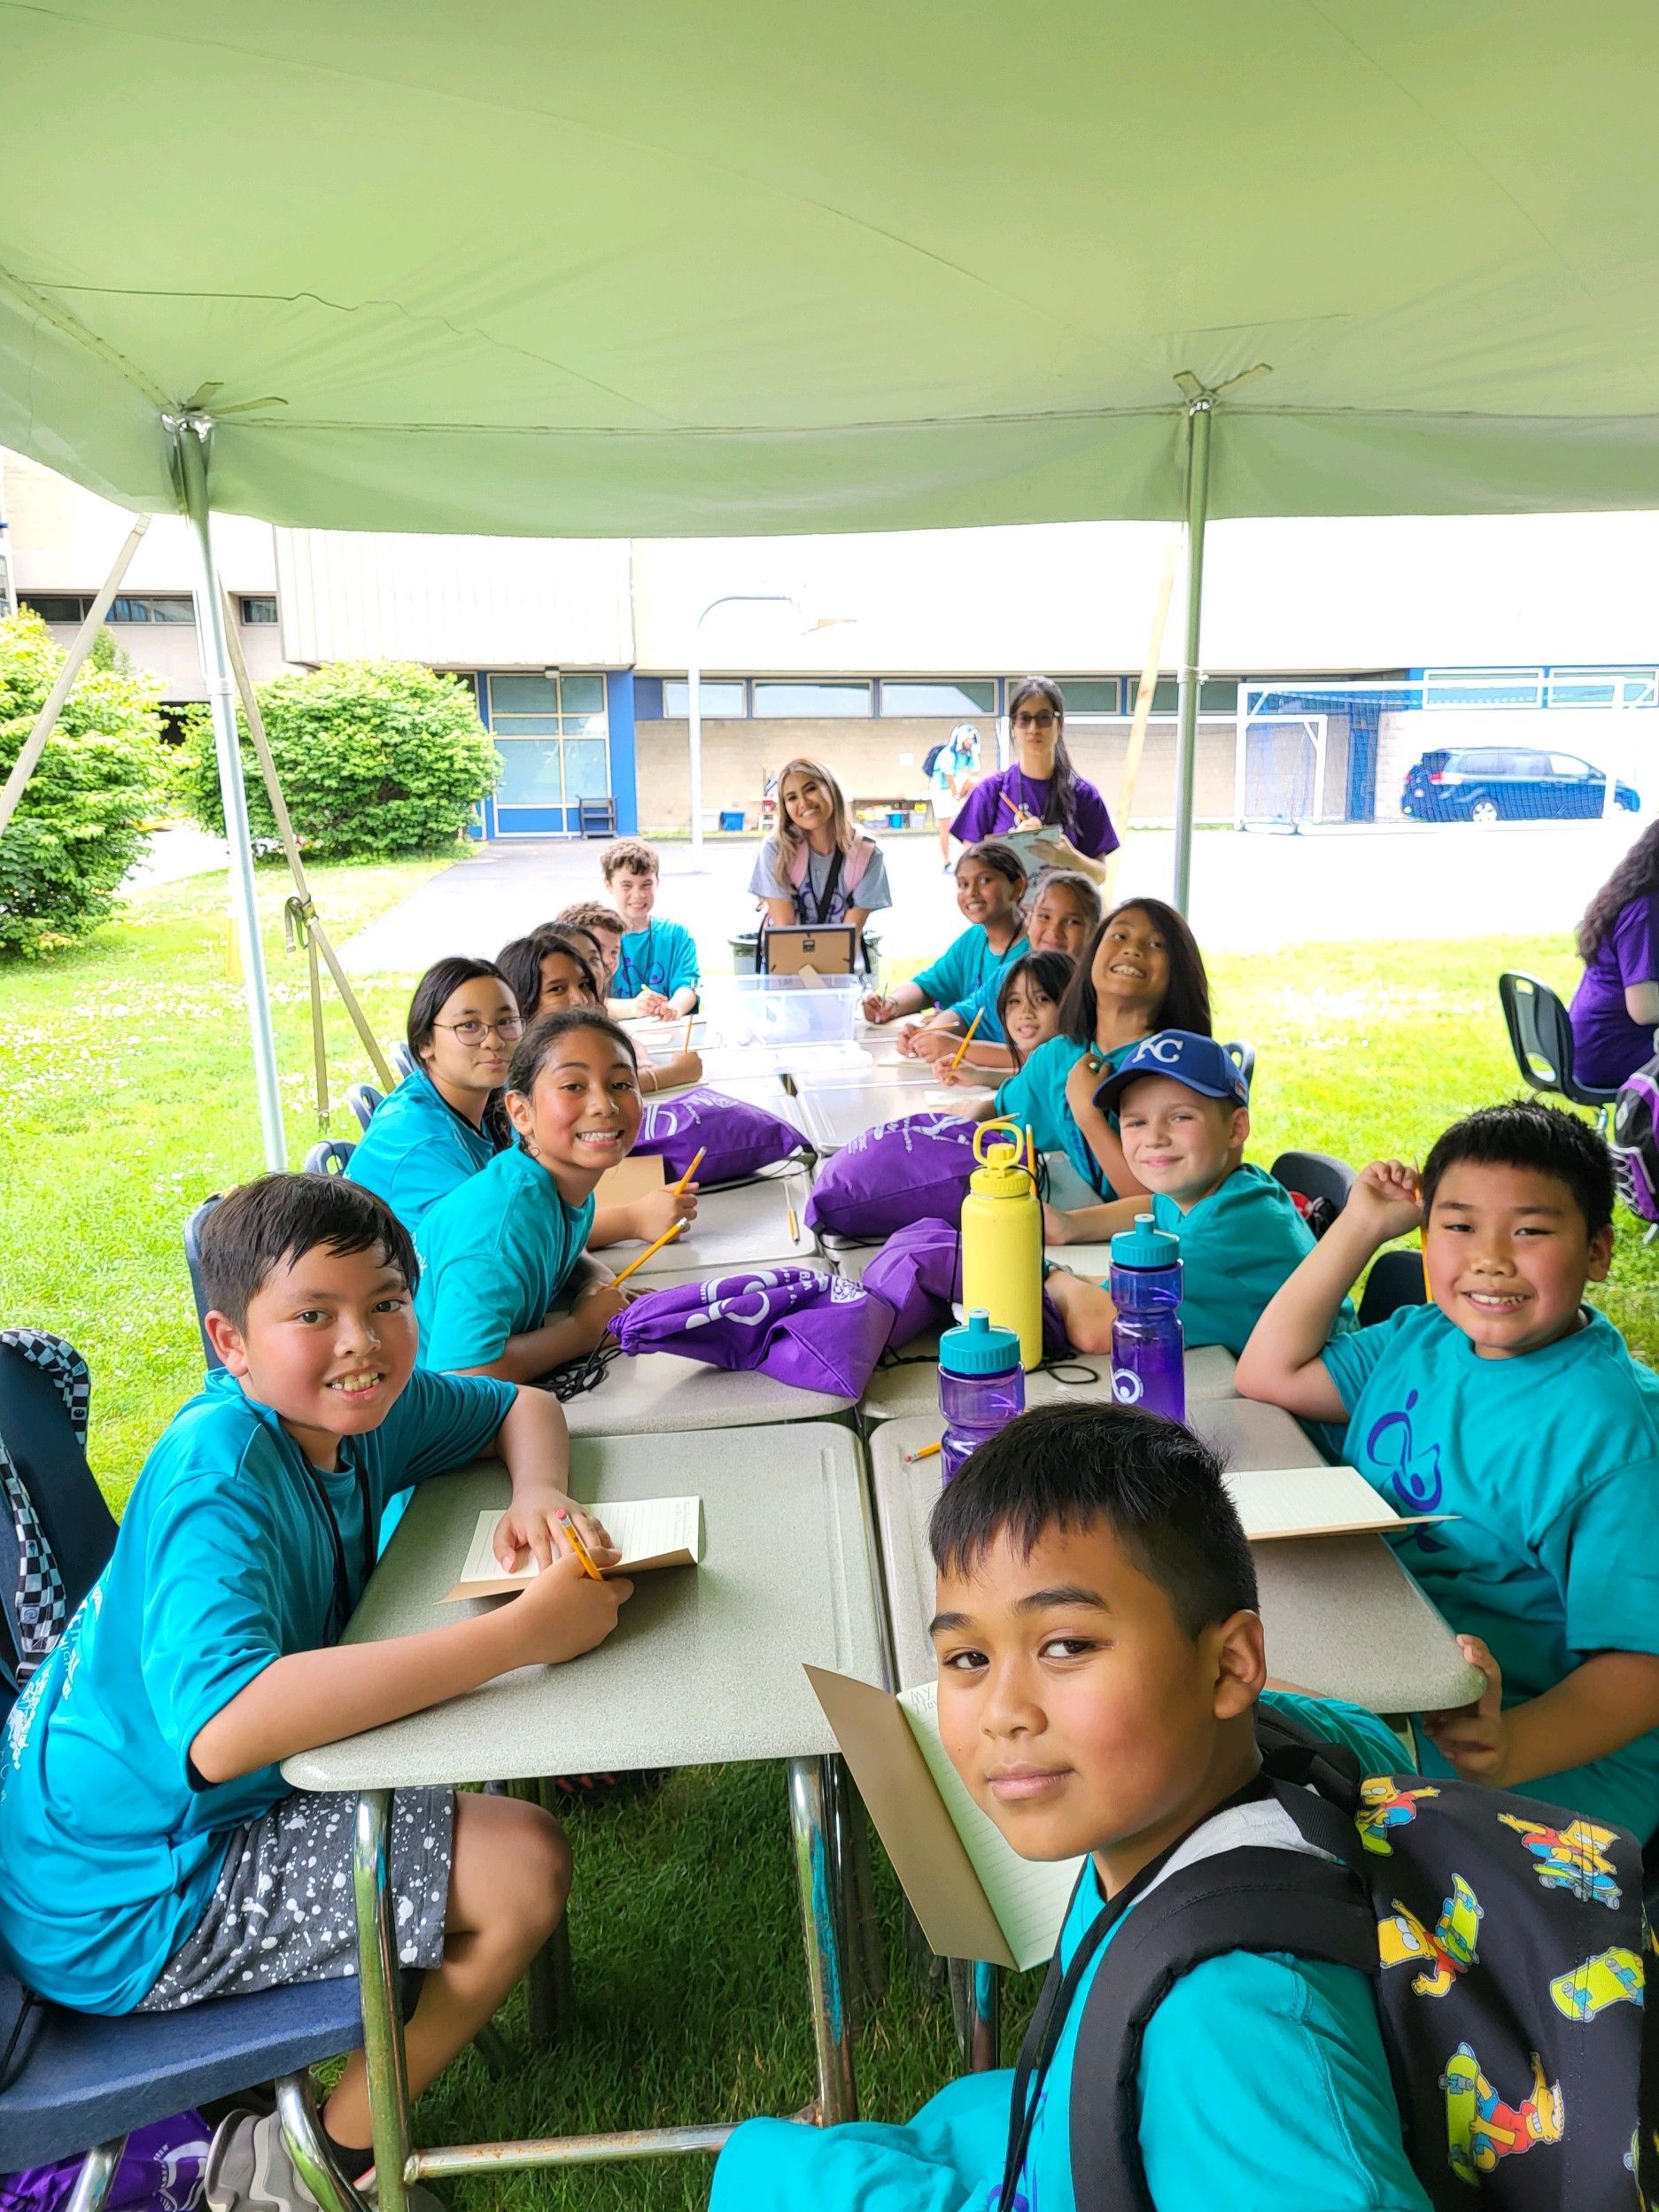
<point>160,2169</point>
<point>799,1326</point>
<point>736,1138</point>
<point>917,1272</point>
<point>893,1174</point>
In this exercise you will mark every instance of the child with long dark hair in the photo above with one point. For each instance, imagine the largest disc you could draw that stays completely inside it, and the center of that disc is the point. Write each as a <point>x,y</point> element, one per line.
<point>1616,1008</point>
<point>1041,791</point>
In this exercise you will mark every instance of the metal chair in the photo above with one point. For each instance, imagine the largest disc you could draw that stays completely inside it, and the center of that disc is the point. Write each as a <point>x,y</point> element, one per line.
<point>1244,1057</point>
<point>1540,1036</point>
<point>74,2083</point>
<point>362,1098</point>
<point>1315,1176</point>
<point>330,1156</point>
<point>596,817</point>
<point>193,1262</point>
<point>1395,1280</point>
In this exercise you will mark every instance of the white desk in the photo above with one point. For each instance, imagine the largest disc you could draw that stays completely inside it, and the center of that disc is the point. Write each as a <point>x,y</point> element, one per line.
<point>1343,1617</point>
<point>834,1113</point>
<point>705,1666</point>
<point>745,1226</point>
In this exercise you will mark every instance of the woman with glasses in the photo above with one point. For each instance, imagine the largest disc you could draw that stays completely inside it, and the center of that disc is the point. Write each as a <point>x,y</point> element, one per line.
<point>1042,792</point>
<point>438,1128</point>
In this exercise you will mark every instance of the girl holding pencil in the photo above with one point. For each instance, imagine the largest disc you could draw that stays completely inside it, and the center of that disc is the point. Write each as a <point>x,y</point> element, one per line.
<point>496,1254</point>
<point>1041,791</point>
<point>990,884</point>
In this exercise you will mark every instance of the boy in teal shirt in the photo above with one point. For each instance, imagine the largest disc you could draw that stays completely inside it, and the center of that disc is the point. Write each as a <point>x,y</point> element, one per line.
<point>1100,1658</point>
<point>151,1854</point>
<point>657,969</point>
<point>1510,1405</point>
<point>1181,1106</point>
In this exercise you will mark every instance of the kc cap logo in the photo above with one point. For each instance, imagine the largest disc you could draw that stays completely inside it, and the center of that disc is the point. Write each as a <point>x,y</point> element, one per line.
<point>1198,1062</point>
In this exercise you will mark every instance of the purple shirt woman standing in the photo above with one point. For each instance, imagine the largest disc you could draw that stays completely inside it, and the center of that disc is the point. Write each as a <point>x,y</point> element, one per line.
<point>1041,791</point>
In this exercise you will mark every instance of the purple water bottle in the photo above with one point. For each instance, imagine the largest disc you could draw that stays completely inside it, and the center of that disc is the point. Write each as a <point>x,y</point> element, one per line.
<point>981,1385</point>
<point>1148,1347</point>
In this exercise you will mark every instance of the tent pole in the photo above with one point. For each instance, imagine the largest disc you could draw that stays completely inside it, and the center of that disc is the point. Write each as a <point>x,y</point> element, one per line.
<point>53,705</point>
<point>1199,414</point>
<point>190,434</point>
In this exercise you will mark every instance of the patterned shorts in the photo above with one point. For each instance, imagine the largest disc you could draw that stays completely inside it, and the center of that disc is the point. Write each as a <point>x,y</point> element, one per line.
<point>282,1910</point>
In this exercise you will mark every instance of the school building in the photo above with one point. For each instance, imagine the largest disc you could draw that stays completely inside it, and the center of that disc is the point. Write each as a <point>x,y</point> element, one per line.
<point>1335,650</point>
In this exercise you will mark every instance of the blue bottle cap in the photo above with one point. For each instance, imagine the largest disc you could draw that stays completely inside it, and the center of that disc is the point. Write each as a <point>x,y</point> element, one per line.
<point>1144,1246</point>
<point>978,1347</point>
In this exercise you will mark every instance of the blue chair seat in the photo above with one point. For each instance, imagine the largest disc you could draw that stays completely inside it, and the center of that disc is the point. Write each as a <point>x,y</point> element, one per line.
<point>83,2078</point>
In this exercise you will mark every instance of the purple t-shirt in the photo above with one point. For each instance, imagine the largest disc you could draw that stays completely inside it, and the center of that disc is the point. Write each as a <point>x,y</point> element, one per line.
<point>982,813</point>
<point>1607,1045</point>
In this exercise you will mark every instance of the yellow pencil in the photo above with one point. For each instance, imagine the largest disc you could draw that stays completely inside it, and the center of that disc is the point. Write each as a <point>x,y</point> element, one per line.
<point>685,1047</point>
<point>1009,804</point>
<point>969,1038</point>
<point>667,1237</point>
<point>928,1451</point>
<point>1031,1153</point>
<point>1428,1287</point>
<point>690,1171</point>
<point>795,1224</point>
<point>577,1546</point>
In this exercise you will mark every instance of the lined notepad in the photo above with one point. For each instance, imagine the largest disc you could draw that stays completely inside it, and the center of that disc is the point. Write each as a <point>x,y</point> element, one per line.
<point>648,1532</point>
<point>974,1895</point>
<point>1274,1502</point>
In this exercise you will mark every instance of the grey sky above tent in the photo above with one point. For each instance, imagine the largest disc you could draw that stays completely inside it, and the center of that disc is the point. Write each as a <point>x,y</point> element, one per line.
<point>668,267</point>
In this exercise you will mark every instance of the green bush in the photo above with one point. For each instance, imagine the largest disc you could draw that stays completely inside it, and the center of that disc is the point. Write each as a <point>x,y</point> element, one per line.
<point>375,759</point>
<point>79,828</point>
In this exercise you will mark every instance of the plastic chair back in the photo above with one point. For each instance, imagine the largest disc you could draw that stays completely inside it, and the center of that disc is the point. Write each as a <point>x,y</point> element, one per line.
<point>402,1058</point>
<point>1540,1038</point>
<point>1395,1280</point>
<point>1315,1176</point>
<point>44,1395</point>
<point>193,1260</point>
<point>1244,1057</point>
<point>330,1157</point>
<point>362,1098</point>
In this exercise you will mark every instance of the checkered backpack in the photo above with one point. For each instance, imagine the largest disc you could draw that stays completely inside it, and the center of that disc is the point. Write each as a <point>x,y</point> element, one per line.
<point>1508,1944</point>
<point>37,1602</point>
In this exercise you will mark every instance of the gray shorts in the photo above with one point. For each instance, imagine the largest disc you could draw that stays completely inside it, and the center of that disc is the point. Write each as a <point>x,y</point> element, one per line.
<point>282,1910</point>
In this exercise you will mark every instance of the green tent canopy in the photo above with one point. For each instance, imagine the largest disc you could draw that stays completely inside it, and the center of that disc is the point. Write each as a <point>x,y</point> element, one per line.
<point>664,267</point>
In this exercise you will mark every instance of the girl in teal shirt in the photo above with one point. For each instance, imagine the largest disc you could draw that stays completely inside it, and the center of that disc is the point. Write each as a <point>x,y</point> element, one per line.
<point>990,886</point>
<point>442,1124</point>
<point>495,1255</point>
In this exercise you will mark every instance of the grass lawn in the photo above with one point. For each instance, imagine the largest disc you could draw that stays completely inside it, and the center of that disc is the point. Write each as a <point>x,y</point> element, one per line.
<point>125,1074</point>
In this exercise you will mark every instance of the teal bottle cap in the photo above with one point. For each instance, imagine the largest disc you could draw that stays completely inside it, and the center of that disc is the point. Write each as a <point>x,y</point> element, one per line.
<point>978,1347</point>
<point>1144,1246</point>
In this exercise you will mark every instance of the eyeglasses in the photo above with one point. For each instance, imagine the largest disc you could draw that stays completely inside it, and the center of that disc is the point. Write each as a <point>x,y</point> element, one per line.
<point>509,1029</point>
<point>1033,721</point>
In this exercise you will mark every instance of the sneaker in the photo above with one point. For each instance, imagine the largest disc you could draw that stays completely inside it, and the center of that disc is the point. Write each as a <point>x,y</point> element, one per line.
<point>250,2170</point>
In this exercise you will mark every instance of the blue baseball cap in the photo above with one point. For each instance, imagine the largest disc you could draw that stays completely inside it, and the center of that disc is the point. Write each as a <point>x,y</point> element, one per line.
<point>1198,1062</point>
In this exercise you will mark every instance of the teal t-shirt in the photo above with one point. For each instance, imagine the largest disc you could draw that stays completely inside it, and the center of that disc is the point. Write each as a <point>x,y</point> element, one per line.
<point>109,1849</point>
<point>1551,1462</point>
<point>964,969</point>
<point>1036,1093</point>
<point>1263,2084</point>
<point>493,1257</point>
<point>1238,1247</point>
<point>416,1150</point>
<point>662,957</point>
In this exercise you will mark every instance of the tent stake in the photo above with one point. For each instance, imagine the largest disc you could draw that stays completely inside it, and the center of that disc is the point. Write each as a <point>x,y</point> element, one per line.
<point>1199,411</point>
<point>188,433</point>
<point>53,705</point>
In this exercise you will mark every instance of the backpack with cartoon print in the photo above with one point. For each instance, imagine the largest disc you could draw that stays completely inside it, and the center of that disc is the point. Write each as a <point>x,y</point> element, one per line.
<point>1508,1944</point>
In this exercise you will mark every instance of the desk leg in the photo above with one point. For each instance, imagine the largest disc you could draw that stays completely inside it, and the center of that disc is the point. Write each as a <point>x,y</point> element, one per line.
<point>976,1999</point>
<point>816,1872</point>
<point>382,1999</point>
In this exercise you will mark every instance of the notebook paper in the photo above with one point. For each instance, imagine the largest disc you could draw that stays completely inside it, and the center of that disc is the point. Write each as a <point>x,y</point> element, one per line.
<point>648,1532</point>
<point>1274,1502</point>
<point>1028,1896</point>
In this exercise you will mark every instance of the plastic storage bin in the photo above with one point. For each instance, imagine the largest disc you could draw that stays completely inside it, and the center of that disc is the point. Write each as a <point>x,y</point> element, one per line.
<point>787,1009</point>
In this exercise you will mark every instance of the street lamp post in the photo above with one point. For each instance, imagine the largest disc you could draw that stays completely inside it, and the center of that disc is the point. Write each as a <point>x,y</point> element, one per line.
<point>693,697</point>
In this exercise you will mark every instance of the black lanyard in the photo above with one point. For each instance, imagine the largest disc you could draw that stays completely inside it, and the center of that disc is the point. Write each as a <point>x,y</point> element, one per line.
<point>1042,2038</point>
<point>822,901</point>
<point>340,1606</point>
<point>635,980</point>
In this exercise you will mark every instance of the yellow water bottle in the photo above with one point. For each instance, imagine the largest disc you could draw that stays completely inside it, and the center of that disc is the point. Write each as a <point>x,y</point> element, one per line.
<point>1001,1239</point>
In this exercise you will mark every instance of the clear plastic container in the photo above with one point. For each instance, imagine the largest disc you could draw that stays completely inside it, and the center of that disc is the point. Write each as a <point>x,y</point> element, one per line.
<point>787,1009</point>
<point>981,1387</point>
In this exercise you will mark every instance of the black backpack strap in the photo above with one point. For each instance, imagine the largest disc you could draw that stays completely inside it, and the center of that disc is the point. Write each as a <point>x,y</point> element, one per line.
<point>1256,1898</point>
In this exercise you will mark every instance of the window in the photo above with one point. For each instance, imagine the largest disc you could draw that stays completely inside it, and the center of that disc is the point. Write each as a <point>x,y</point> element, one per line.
<point>1483,687</point>
<point>725,696</point>
<point>1567,764</point>
<point>1218,695</point>
<point>939,697</point>
<point>1092,694</point>
<point>552,733</point>
<point>775,700</point>
<point>1601,687</point>
<point>56,606</point>
<point>257,612</point>
<point>153,607</point>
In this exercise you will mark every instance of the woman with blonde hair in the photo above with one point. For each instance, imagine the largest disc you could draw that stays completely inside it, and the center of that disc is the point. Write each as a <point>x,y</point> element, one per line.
<point>817,868</point>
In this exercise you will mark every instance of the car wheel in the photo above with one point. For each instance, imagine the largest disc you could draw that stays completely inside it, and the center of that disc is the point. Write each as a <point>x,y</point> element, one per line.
<point>1483,811</point>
